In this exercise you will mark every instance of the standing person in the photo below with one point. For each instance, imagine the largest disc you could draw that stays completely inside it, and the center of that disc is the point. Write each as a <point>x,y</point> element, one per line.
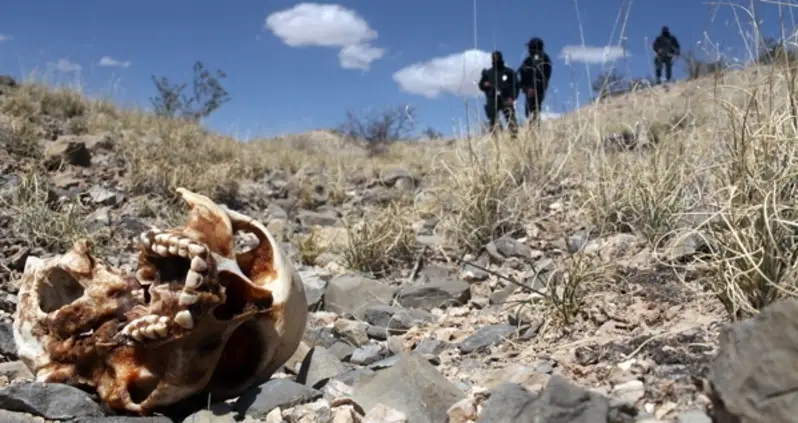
<point>665,47</point>
<point>500,86</point>
<point>534,74</point>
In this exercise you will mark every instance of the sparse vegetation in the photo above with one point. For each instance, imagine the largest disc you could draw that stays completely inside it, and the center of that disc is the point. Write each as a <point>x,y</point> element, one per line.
<point>382,241</point>
<point>706,212</point>
<point>207,95</point>
<point>378,128</point>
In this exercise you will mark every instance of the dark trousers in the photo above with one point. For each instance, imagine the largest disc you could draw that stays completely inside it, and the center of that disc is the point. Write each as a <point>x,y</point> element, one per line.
<point>658,62</point>
<point>534,102</point>
<point>493,106</point>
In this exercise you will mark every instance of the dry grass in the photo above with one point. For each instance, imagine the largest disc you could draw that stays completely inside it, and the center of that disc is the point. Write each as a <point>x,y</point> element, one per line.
<point>726,145</point>
<point>39,217</point>
<point>381,241</point>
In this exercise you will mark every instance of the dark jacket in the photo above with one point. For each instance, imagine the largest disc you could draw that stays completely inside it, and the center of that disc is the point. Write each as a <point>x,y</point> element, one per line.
<point>535,72</point>
<point>504,81</point>
<point>666,45</point>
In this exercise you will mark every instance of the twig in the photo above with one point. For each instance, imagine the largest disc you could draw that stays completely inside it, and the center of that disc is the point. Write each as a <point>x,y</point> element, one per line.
<point>505,277</point>
<point>417,265</point>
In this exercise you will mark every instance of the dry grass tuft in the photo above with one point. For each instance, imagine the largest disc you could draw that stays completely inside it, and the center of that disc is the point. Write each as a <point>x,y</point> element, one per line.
<point>382,240</point>
<point>39,217</point>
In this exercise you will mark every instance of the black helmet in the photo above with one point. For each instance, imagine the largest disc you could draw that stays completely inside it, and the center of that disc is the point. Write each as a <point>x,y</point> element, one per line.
<point>665,30</point>
<point>535,43</point>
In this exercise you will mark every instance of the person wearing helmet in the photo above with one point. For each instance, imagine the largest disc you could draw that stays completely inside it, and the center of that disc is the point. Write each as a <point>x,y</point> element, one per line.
<point>500,85</point>
<point>534,75</point>
<point>665,47</point>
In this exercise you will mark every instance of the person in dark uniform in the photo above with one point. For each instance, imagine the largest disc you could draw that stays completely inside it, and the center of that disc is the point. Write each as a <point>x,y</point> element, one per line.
<point>500,85</point>
<point>534,75</point>
<point>665,47</point>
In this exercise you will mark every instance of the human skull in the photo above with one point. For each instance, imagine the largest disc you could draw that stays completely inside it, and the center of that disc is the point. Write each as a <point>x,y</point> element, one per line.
<point>197,317</point>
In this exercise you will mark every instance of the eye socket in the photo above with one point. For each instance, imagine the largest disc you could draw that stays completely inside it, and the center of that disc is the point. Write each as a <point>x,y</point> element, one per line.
<point>60,290</point>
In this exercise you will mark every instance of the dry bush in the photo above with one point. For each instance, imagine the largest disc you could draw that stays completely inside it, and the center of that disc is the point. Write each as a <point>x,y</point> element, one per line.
<point>39,217</point>
<point>382,240</point>
<point>178,153</point>
<point>484,191</point>
<point>309,248</point>
<point>20,138</point>
<point>569,285</point>
<point>757,177</point>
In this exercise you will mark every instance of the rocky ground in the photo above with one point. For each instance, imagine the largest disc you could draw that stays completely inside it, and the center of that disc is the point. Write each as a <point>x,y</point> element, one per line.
<point>409,329</point>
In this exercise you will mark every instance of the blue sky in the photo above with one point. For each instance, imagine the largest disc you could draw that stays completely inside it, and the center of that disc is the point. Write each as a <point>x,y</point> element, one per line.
<point>297,66</point>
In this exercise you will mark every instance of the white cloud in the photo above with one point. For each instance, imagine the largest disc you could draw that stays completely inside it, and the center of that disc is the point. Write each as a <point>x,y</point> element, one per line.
<point>591,54</point>
<point>327,25</point>
<point>455,74</point>
<point>64,65</point>
<point>110,61</point>
<point>5,37</point>
<point>359,56</point>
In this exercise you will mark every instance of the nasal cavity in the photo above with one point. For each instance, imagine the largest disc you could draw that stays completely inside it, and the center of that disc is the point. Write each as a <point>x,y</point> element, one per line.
<point>59,289</point>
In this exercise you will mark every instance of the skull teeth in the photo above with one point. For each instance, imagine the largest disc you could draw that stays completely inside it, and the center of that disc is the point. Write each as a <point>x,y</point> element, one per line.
<point>165,245</point>
<point>184,319</point>
<point>197,250</point>
<point>187,298</point>
<point>147,327</point>
<point>198,264</point>
<point>193,280</point>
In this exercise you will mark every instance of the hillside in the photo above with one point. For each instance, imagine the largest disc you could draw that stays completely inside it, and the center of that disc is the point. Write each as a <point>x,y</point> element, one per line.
<point>556,262</point>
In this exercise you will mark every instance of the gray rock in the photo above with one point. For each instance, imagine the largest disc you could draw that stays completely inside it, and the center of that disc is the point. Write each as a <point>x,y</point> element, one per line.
<point>319,366</point>
<point>438,293</point>
<point>508,403</point>
<point>380,333</point>
<point>395,318</point>
<point>394,175</point>
<point>277,212</point>
<point>66,152</point>
<point>486,336</point>
<point>412,386</point>
<point>431,346</point>
<point>693,416</point>
<point>351,293</point>
<point>685,244</point>
<point>472,273</point>
<point>754,373</point>
<point>105,197</point>
<point>341,350</point>
<point>15,370</point>
<point>352,377</point>
<point>8,347</point>
<point>53,401</point>
<point>315,282</point>
<point>368,354</point>
<point>135,419</point>
<point>218,413</point>
<point>12,417</point>
<point>578,241</point>
<point>560,402</point>
<point>309,218</point>
<point>353,331</point>
<point>506,247</point>
<point>275,393</point>
<point>629,392</point>
<point>380,195</point>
